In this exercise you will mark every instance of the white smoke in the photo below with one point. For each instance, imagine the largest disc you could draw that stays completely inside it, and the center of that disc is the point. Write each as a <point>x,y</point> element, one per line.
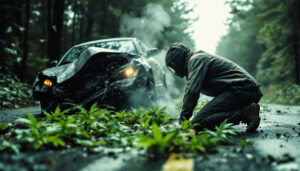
<point>173,95</point>
<point>149,26</point>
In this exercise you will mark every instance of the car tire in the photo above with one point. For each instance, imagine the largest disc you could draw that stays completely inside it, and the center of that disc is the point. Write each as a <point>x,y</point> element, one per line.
<point>48,106</point>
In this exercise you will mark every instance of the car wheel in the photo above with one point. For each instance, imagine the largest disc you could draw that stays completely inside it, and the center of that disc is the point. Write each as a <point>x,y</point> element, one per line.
<point>48,105</point>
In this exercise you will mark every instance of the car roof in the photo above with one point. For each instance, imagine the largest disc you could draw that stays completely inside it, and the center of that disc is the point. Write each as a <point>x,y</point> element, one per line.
<point>106,40</point>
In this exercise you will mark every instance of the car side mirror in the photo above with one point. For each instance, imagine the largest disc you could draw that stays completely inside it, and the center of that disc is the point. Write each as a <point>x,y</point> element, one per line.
<point>152,52</point>
<point>51,64</point>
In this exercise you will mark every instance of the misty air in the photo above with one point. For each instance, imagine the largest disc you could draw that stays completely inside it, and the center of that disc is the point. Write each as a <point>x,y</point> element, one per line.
<point>149,85</point>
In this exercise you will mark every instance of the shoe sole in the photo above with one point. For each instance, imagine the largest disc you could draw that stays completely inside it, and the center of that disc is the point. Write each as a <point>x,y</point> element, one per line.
<point>253,125</point>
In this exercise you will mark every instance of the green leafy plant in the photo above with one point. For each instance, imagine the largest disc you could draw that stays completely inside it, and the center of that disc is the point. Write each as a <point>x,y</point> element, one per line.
<point>157,115</point>
<point>223,133</point>
<point>3,126</point>
<point>101,127</point>
<point>38,134</point>
<point>10,145</point>
<point>208,140</point>
<point>182,139</point>
<point>144,123</point>
<point>244,143</point>
<point>157,143</point>
<point>14,93</point>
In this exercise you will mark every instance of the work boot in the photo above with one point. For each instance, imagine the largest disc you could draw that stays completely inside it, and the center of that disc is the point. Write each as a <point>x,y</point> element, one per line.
<point>251,117</point>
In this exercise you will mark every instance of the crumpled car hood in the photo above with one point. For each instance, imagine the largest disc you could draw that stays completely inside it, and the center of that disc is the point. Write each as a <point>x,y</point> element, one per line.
<point>56,71</point>
<point>66,71</point>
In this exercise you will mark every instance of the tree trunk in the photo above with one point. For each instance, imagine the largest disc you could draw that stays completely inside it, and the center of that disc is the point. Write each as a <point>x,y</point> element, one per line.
<point>55,28</point>
<point>296,54</point>
<point>43,52</point>
<point>74,23</point>
<point>3,27</point>
<point>103,18</point>
<point>25,43</point>
<point>50,30</point>
<point>19,21</point>
<point>82,21</point>
<point>294,15</point>
<point>90,19</point>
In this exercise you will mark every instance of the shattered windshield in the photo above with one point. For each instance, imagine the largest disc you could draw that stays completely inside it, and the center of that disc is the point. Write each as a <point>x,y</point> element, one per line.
<point>120,45</point>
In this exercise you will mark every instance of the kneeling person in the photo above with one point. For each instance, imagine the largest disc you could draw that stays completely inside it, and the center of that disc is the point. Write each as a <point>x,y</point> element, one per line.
<point>236,93</point>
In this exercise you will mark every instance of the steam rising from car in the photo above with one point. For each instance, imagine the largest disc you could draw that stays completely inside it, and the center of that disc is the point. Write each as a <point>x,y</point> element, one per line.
<point>149,28</point>
<point>174,93</point>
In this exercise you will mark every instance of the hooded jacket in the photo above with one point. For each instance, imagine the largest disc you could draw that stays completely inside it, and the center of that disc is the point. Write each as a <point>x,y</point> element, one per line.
<point>207,74</point>
<point>177,57</point>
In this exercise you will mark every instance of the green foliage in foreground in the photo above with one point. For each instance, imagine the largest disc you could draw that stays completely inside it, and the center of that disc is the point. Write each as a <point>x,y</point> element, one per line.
<point>14,93</point>
<point>181,139</point>
<point>152,131</point>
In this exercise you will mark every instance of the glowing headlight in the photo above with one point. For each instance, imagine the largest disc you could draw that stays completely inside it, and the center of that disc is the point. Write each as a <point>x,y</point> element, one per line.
<point>128,72</point>
<point>48,83</point>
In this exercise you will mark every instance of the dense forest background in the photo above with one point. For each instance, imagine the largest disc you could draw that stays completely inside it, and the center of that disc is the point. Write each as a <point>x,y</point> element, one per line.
<point>33,32</point>
<point>263,35</point>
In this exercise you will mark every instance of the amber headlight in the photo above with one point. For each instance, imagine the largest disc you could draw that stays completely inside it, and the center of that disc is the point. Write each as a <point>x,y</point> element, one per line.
<point>47,83</point>
<point>128,72</point>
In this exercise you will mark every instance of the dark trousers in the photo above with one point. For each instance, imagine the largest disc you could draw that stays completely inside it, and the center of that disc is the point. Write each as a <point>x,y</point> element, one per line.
<point>227,105</point>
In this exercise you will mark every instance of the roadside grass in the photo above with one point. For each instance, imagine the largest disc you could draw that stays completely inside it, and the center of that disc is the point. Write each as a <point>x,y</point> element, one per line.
<point>152,131</point>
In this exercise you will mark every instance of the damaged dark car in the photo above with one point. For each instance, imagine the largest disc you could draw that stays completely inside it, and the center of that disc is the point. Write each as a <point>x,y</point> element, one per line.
<point>119,72</point>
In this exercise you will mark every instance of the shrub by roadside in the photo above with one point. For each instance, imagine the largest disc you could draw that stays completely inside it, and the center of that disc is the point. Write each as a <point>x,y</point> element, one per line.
<point>287,93</point>
<point>14,93</point>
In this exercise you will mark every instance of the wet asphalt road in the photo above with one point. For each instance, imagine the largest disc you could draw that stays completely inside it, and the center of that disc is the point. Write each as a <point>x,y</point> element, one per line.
<point>8,116</point>
<point>278,134</point>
